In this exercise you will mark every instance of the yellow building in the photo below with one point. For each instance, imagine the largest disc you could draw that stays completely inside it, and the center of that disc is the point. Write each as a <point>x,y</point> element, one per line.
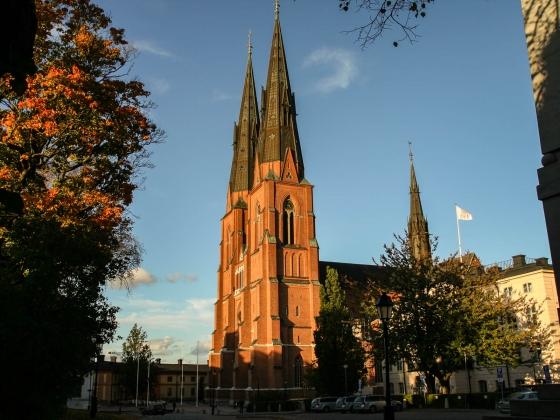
<point>520,276</point>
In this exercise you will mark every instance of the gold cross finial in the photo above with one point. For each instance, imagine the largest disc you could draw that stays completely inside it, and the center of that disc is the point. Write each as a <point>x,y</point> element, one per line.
<point>250,42</point>
<point>276,8</point>
<point>410,155</point>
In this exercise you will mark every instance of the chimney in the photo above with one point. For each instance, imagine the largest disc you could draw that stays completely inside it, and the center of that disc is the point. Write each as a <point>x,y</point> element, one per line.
<point>518,261</point>
<point>542,261</point>
<point>113,359</point>
<point>180,361</point>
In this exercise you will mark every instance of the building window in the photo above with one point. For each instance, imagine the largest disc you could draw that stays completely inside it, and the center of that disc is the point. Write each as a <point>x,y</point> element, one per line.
<point>288,223</point>
<point>170,379</point>
<point>192,392</point>
<point>531,313</point>
<point>508,291</point>
<point>401,388</point>
<point>298,372</point>
<point>392,388</point>
<point>297,310</point>
<point>399,365</point>
<point>482,386</point>
<point>527,287</point>
<point>193,378</point>
<point>169,392</point>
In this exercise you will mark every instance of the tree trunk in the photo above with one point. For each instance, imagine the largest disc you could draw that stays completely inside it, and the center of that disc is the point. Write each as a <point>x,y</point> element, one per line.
<point>430,382</point>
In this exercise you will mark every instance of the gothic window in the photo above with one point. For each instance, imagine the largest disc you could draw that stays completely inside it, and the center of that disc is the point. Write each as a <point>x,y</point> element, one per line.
<point>258,225</point>
<point>288,223</point>
<point>243,233</point>
<point>228,246</point>
<point>298,372</point>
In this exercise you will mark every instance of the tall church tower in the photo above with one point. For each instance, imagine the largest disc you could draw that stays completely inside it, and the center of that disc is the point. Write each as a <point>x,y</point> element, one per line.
<point>268,277</point>
<point>418,234</point>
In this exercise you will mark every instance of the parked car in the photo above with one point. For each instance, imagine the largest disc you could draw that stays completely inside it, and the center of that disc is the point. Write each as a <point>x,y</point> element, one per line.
<point>324,404</point>
<point>397,405</point>
<point>504,406</point>
<point>371,403</point>
<point>156,409</point>
<point>344,404</point>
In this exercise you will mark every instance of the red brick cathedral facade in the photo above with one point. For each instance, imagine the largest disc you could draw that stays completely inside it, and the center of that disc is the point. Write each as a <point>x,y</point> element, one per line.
<point>268,277</point>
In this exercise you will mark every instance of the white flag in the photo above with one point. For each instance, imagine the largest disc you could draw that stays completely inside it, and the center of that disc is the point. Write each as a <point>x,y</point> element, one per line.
<point>462,214</point>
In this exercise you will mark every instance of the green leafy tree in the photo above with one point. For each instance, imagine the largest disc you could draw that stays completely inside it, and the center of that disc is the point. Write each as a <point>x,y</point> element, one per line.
<point>335,343</point>
<point>136,355</point>
<point>71,149</point>
<point>446,310</point>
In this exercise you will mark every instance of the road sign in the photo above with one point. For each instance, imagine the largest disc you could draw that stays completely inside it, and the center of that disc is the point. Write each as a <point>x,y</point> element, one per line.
<point>500,374</point>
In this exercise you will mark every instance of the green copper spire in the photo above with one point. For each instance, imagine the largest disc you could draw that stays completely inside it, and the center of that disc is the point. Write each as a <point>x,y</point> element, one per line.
<point>245,133</point>
<point>418,234</point>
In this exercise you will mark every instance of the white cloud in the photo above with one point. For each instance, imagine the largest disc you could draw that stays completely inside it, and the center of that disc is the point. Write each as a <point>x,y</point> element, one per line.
<point>168,315</point>
<point>158,85</point>
<point>343,63</point>
<point>135,278</point>
<point>176,277</point>
<point>203,348</point>
<point>220,96</point>
<point>151,48</point>
<point>161,346</point>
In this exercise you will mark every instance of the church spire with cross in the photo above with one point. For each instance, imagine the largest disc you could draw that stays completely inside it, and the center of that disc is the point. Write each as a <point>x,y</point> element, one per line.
<point>246,130</point>
<point>279,134</point>
<point>418,234</point>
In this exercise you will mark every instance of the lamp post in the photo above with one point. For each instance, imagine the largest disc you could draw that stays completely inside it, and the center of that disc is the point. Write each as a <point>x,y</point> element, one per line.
<point>137,377</point>
<point>345,380</point>
<point>93,406</point>
<point>384,308</point>
<point>181,392</point>
<point>196,404</point>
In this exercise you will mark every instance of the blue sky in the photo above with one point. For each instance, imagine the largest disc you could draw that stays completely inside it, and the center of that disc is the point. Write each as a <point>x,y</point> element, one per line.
<point>462,95</point>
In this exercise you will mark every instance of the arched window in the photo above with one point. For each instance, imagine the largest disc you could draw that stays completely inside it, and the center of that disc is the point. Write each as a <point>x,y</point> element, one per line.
<point>298,372</point>
<point>243,232</point>
<point>288,223</point>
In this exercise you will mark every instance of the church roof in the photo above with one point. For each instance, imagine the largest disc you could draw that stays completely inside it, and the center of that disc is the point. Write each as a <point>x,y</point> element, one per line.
<point>357,280</point>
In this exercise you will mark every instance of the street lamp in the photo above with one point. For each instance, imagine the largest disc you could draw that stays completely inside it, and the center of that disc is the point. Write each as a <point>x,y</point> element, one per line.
<point>384,308</point>
<point>181,363</point>
<point>345,380</point>
<point>137,376</point>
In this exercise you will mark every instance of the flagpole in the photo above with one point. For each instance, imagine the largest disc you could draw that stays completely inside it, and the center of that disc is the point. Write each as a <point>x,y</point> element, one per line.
<point>458,235</point>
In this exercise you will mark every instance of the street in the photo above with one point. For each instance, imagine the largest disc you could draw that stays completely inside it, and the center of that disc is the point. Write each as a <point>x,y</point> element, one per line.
<point>416,414</point>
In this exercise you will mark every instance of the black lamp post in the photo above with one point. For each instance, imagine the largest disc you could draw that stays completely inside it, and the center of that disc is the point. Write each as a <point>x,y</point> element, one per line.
<point>345,366</point>
<point>93,407</point>
<point>384,308</point>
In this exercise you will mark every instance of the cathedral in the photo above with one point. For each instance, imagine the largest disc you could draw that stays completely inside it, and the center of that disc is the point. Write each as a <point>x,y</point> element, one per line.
<point>269,271</point>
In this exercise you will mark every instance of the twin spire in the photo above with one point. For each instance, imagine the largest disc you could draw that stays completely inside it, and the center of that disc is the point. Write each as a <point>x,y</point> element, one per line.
<point>270,140</point>
<point>418,234</point>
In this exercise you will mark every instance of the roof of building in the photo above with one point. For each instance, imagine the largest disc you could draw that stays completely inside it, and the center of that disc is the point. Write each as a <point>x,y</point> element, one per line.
<point>357,280</point>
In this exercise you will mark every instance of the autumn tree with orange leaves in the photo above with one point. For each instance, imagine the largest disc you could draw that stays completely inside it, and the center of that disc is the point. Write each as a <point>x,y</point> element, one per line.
<point>72,148</point>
